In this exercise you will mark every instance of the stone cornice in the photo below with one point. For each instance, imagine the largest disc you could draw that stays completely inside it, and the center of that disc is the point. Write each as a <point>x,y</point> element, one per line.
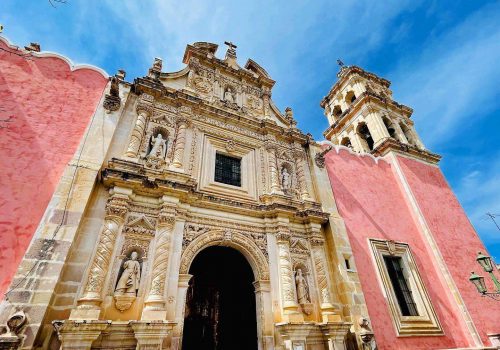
<point>142,181</point>
<point>391,144</point>
<point>365,98</point>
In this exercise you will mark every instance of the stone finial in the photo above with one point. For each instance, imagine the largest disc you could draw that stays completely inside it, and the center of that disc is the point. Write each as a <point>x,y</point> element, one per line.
<point>289,116</point>
<point>231,49</point>
<point>157,64</point>
<point>120,75</point>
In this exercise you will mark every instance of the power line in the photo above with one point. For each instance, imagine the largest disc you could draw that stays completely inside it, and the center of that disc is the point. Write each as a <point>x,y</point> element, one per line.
<point>492,217</point>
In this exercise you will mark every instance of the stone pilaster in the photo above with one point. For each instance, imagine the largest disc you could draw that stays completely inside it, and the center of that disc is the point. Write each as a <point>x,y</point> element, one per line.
<point>273,168</point>
<point>155,302</point>
<point>180,143</point>
<point>150,334</point>
<point>116,210</point>
<point>266,97</point>
<point>288,294</point>
<point>301,177</point>
<point>79,335</point>
<point>335,333</point>
<point>328,311</point>
<point>143,112</point>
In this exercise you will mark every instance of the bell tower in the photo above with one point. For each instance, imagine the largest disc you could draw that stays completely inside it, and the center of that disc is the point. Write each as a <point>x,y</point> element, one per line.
<point>364,117</point>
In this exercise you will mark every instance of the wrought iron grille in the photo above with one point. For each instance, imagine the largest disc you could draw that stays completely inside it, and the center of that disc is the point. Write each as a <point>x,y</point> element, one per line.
<point>400,285</point>
<point>227,169</point>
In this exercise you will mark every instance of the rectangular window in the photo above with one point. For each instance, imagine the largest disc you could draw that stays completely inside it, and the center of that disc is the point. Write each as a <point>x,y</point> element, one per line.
<point>400,286</point>
<point>227,169</point>
<point>409,303</point>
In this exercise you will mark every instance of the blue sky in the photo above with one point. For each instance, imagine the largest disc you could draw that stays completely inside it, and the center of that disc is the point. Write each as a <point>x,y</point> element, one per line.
<point>443,59</point>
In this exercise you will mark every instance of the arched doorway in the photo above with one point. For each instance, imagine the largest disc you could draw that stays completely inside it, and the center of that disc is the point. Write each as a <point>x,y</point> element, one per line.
<point>220,302</point>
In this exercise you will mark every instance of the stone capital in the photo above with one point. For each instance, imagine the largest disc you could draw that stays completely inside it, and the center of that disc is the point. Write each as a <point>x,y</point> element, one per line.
<point>150,334</point>
<point>145,108</point>
<point>79,335</point>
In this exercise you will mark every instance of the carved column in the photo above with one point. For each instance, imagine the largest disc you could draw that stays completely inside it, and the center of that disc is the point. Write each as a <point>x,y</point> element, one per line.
<point>116,209</point>
<point>289,303</point>
<point>79,335</point>
<point>322,278</point>
<point>273,168</point>
<point>301,177</point>
<point>144,111</point>
<point>180,142</point>
<point>155,302</point>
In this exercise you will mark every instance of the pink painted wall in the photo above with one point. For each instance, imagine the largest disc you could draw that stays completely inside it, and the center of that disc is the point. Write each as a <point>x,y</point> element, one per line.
<point>456,238</point>
<point>49,107</point>
<point>370,200</point>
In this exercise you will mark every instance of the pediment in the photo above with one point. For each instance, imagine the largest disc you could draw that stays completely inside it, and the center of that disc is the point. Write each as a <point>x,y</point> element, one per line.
<point>141,221</point>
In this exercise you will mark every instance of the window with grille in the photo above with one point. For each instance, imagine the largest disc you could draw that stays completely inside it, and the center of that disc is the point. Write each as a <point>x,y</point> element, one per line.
<point>400,285</point>
<point>227,169</point>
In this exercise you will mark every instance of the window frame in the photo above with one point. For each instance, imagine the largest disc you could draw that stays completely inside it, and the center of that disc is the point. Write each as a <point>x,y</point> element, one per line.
<point>427,322</point>
<point>233,159</point>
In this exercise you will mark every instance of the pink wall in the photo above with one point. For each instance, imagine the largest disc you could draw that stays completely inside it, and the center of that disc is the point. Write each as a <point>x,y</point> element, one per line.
<point>372,204</point>
<point>50,107</point>
<point>456,238</point>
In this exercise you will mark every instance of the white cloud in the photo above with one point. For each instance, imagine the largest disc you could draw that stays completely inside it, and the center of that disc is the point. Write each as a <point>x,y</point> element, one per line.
<point>454,81</point>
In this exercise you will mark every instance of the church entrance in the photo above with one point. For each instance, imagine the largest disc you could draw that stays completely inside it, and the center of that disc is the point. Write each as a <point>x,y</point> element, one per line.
<point>220,302</point>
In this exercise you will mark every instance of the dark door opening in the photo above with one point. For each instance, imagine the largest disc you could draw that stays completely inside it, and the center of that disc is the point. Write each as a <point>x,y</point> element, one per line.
<point>220,303</point>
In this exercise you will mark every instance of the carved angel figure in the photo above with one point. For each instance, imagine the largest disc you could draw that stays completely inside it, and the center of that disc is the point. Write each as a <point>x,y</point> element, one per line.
<point>128,284</point>
<point>302,288</point>
<point>286,179</point>
<point>159,146</point>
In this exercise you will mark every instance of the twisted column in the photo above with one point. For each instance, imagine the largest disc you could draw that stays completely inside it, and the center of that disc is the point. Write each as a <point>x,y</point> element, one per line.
<point>166,221</point>
<point>301,177</point>
<point>143,111</point>
<point>286,272</point>
<point>266,97</point>
<point>273,168</point>
<point>319,260</point>
<point>180,142</point>
<point>116,209</point>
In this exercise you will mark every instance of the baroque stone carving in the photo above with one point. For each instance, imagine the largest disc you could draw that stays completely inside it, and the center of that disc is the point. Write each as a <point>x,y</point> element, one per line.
<point>166,223</point>
<point>116,210</point>
<point>236,240</point>
<point>302,288</point>
<point>319,158</point>
<point>112,100</point>
<point>144,111</point>
<point>128,283</point>
<point>286,179</point>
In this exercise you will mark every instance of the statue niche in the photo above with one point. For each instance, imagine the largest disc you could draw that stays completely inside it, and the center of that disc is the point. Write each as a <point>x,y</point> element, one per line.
<point>157,149</point>
<point>303,294</point>
<point>286,181</point>
<point>128,282</point>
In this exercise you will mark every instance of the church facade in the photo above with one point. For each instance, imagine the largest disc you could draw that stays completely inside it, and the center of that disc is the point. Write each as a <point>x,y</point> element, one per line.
<point>194,214</point>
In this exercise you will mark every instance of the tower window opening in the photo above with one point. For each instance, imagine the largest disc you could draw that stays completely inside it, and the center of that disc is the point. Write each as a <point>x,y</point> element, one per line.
<point>346,141</point>
<point>390,128</point>
<point>400,286</point>
<point>408,134</point>
<point>366,136</point>
<point>337,111</point>
<point>350,97</point>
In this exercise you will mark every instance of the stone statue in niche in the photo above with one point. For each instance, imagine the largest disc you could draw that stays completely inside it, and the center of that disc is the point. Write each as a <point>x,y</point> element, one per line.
<point>128,284</point>
<point>302,288</point>
<point>286,179</point>
<point>158,146</point>
<point>229,96</point>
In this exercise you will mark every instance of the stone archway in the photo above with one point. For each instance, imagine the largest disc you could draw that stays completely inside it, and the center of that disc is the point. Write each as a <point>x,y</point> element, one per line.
<point>259,265</point>
<point>238,241</point>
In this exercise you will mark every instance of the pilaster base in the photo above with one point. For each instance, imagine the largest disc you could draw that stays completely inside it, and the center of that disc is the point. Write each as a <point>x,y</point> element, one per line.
<point>79,335</point>
<point>295,334</point>
<point>336,333</point>
<point>150,315</point>
<point>9,342</point>
<point>84,314</point>
<point>150,334</point>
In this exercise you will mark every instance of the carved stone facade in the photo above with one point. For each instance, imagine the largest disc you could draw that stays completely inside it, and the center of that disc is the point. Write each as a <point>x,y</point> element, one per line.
<point>158,205</point>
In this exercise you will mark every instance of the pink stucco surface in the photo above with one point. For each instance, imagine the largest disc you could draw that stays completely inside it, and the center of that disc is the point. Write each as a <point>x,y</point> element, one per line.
<point>373,205</point>
<point>49,107</point>
<point>457,240</point>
